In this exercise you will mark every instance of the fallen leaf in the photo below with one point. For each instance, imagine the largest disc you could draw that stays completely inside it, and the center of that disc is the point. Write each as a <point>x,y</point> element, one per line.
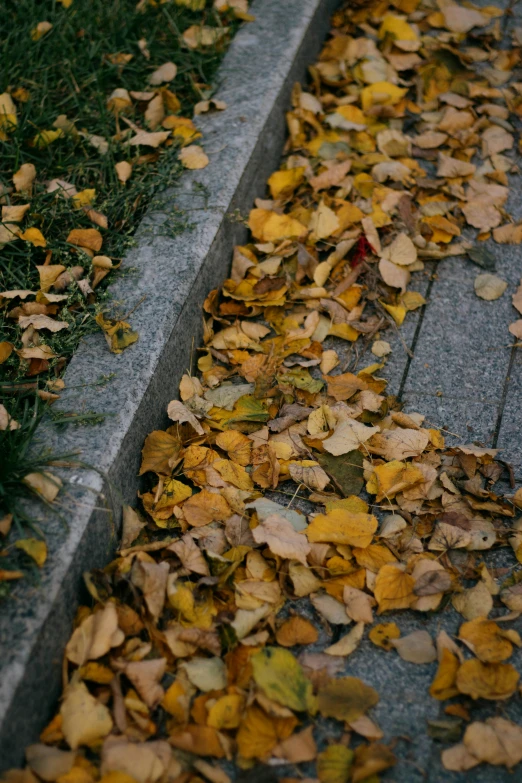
<point>342,527</point>
<point>296,630</point>
<point>193,157</point>
<point>123,170</point>
<point>279,535</point>
<point>35,548</point>
<point>347,644</point>
<point>268,226</point>
<point>41,29</point>
<point>281,678</point>
<point>393,589</point>
<point>334,764</point>
<point>89,238</point>
<point>487,680</point>
<point>489,287</point>
<point>23,178</point>
<point>85,720</point>
<point>416,647</point>
<point>165,73</point>
<point>95,636</point>
<point>346,699</point>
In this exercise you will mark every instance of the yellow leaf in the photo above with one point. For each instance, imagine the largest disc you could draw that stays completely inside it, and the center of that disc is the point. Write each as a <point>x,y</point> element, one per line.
<point>486,640</point>
<point>443,686</point>
<point>399,29</point>
<point>487,680</point>
<point>334,764</point>
<point>193,157</point>
<point>84,198</point>
<point>283,183</point>
<point>393,477</point>
<point>226,712</point>
<point>393,589</point>
<point>381,94</point>
<point>412,300</point>
<point>373,557</point>
<point>176,700</point>
<point>35,548</point>
<point>342,527</point>
<point>89,238</point>
<point>46,137</point>
<point>174,493</point>
<point>34,236</point>
<point>397,312</point>
<point>281,678</point>
<point>344,331</point>
<point>237,445</point>
<point>40,30</point>
<point>268,226</point>
<point>118,334</point>
<point>259,733</point>
<point>96,672</point>
<point>7,112</point>
<point>233,473</point>
<point>382,635</point>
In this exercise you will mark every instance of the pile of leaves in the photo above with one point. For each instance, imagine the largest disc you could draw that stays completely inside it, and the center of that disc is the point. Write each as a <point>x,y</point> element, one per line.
<point>289,485</point>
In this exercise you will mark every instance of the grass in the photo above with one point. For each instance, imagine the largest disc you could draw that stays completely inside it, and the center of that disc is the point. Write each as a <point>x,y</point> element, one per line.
<point>71,71</point>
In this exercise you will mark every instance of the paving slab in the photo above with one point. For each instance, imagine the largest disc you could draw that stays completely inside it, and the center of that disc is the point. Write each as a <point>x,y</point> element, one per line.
<point>462,353</point>
<point>168,275</point>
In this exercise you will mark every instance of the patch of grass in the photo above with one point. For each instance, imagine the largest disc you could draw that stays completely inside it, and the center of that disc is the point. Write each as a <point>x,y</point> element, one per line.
<point>70,72</point>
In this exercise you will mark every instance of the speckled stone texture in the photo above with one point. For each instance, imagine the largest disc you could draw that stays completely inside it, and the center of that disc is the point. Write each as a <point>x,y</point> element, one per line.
<point>167,281</point>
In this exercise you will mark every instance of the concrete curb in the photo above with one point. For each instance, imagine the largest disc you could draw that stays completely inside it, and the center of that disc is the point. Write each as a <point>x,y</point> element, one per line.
<point>174,275</point>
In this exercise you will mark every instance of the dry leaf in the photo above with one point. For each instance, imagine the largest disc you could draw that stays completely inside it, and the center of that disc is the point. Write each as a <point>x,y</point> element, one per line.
<point>416,647</point>
<point>84,719</point>
<point>296,630</point>
<point>95,636</point>
<point>279,535</point>
<point>193,157</point>
<point>347,644</point>
<point>165,73</point>
<point>489,287</point>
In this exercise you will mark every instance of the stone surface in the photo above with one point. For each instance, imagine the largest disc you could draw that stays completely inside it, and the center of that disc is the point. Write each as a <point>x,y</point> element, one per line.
<point>462,352</point>
<point>169,274</point>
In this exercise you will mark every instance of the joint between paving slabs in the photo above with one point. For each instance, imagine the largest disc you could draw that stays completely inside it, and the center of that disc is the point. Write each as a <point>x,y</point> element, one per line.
<point>505,390</point>
<point>416,336</point>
